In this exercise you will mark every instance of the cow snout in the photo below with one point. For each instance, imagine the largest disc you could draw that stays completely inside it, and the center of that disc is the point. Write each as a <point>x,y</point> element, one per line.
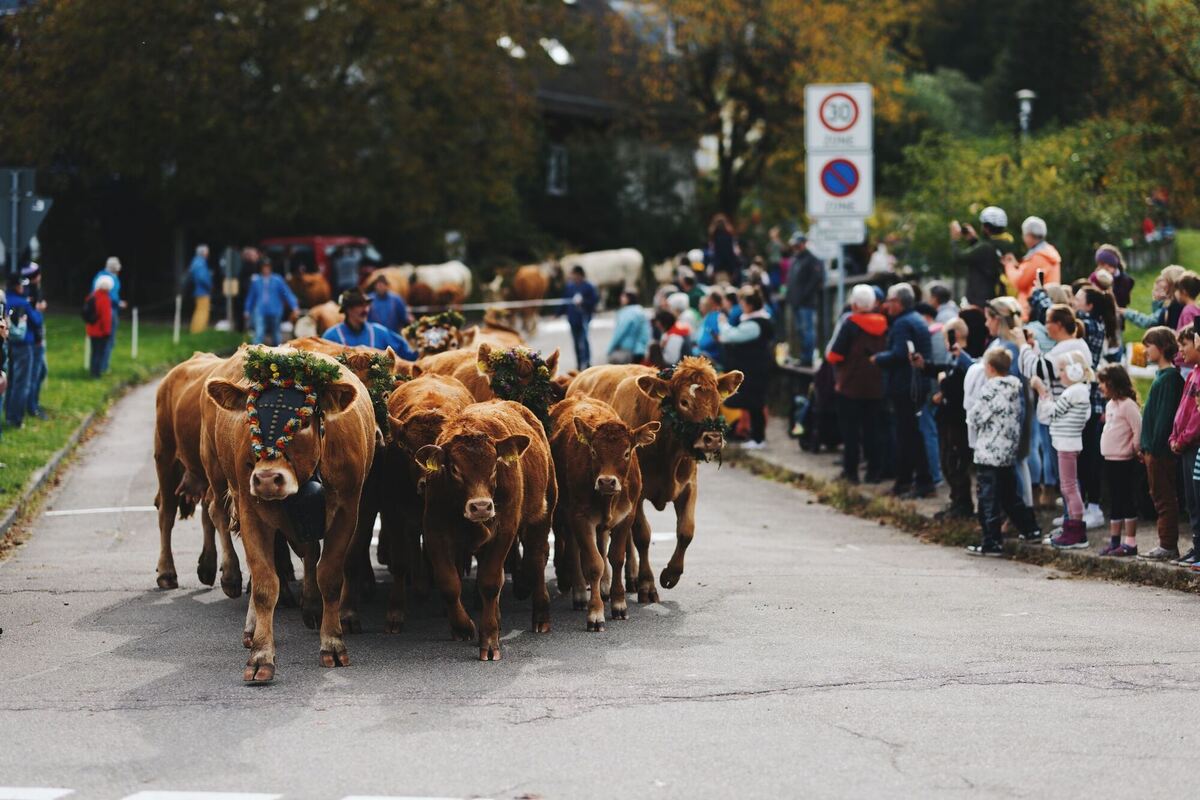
<point>480,509</point>
<point>608,484</point>
<point>711,441</point>
<point>272,484</point>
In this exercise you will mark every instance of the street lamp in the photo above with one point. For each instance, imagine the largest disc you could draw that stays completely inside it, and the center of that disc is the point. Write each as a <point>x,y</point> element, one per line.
<point>1025,98</point>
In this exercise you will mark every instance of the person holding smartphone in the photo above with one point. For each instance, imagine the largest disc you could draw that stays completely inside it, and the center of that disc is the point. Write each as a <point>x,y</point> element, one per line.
<point>1041,265</point>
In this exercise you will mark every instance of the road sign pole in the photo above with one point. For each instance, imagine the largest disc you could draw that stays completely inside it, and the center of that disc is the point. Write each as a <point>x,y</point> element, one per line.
<point>13,246</point>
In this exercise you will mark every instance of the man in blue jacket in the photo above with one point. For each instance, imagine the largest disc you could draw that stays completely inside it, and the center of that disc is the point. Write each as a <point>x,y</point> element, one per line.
<point>201,280</point>
<point>268,300</point>
<point>582,299</point>
<point>387,307</point>
<point>906,388</point>
<point>25,328</point>
<point>631,331</point>
<point>358,330</point>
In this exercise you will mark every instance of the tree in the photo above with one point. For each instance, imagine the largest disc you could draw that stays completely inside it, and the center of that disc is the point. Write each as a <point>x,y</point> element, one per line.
<point>740,67</point>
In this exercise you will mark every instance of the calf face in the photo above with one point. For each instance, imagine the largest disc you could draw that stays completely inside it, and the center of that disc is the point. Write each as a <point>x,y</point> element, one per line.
<point>277,478</point>
<point>470,464</point>
<point>696,394</point>
<point>610,445</point>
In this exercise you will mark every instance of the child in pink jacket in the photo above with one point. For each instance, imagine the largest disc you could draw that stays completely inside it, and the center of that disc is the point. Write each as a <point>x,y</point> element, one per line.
<point>1185,435</point>
<point>1119,443</point>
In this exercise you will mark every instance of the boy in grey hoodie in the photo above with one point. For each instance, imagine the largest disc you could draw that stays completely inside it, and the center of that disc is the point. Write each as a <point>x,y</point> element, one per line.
<point>996,420</point>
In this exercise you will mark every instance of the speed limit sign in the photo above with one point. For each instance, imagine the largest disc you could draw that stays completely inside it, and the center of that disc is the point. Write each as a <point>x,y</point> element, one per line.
<point>838,117</point>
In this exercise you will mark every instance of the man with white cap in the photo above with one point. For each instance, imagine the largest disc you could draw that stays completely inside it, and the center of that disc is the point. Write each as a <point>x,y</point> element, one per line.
<point>859,383</point>
<point>981,255</point>
<point>1040,256</point>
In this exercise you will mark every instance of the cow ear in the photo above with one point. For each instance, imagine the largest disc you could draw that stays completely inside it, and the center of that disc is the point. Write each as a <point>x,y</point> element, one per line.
<point>646,434</point>
<point>583,431</point>
<point>654,386</point>
<point>358,362</point>
<point>465,338</point>
<point>226,395</point>
<point>552,363</point>
<point>483,359</point>
<point>510,449</point>
<point>395,359</point>
<point>338,396</point>
<point>728,383</point>
<point>396,426</point>
<point>430,458</point>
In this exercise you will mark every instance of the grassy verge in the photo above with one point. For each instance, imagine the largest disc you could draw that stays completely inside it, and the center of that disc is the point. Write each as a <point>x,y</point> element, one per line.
<point>70,393</point>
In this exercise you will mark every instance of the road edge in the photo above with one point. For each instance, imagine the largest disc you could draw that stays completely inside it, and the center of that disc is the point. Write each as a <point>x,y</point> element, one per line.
<point>851,500</point>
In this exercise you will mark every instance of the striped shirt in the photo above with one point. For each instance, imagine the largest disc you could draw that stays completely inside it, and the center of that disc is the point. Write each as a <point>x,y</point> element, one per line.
<point>1067,417</point>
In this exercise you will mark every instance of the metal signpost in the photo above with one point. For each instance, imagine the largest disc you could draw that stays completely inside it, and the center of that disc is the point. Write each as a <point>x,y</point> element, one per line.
<point>839,139</point>
<point>21,213</point>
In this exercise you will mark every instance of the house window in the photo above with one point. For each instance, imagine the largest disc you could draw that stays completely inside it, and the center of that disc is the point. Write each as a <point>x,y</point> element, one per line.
<point>556,171</point>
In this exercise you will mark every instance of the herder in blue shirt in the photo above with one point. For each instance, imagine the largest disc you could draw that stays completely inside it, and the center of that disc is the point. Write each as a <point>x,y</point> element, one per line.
<point>387,307</point>
<point>357,331</point>
<point>268,299</point>
<point>25,328</point>
<point>582,299</point>
<point>201,279</point>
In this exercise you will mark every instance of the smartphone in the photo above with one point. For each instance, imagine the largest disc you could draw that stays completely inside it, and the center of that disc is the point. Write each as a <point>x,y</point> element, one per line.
<point>951,337</point>
<point>1041,277</point>
<point>912,349</point>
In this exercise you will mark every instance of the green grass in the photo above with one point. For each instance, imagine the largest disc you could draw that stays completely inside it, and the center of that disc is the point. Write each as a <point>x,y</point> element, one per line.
<point>70,393</point>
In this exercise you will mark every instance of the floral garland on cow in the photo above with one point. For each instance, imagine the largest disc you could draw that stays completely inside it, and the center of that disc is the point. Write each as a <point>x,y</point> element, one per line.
<point>379,382</point>
<point>300,370</point>
<point>431,333</point>
<point>535,392</point>
<point>688,431</point>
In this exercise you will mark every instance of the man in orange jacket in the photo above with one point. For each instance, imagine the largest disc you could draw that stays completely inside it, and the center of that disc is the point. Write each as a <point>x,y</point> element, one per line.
<point>1039,255</point>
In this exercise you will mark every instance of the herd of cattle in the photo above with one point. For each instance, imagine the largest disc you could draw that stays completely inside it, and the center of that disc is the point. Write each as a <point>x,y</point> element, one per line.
<point>454,474</point>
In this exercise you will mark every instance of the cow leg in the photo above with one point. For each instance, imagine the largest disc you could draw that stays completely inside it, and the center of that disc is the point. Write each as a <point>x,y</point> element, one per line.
<point>285,570</point>
<point>575,559</point>
<point>206,567</point>
<point>562,536</point>
<point>394,539</point>
<point>512,562</point>
<point>231,570</point>
<point>489,578</point>
<point>330,580</point>
<point>536,549</point>
<point>447,574</point>
<point>631,563</point>
<point>647,593</point>
<point>310,594</point>
<point>358,566</point>
<point>260,667</point>
<point>617,549</point>
<point>170,472</point>
<point>602,538</point>
<point>685,529</point>
<point>591,567</point>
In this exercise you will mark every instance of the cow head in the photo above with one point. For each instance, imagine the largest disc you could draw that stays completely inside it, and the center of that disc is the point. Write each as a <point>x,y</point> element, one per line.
<point>610,445</point>
<point>521,380</point>
<point>468,464</point>
<point>692,395</point>
<point>279,477</point>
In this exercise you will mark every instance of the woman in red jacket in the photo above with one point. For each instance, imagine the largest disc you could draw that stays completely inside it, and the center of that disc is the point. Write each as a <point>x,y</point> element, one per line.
<point>100,332</point>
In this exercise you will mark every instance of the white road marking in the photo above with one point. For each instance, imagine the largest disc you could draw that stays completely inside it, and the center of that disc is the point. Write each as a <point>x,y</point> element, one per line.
<point>74,512</point>
<point>201,796</point>
<point>398,797</point>
<point>30,793</point>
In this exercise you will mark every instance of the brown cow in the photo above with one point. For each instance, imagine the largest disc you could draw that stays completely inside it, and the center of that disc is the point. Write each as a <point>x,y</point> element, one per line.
<point>473,368</point>
<point>417,412</point>
<point>315,344</point>
<point>600,487</point>
<point>182,484</point>
<point>325,316</point>
<point>529,283</point>
<point>311,288</point>
<point>396,277</point>
<point>693,393</point>
<point>340,442</point>
<point>489,483</point>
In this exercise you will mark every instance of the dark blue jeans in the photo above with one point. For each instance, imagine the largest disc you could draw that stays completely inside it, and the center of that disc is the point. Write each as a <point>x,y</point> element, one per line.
<point>806,331</point>
<point>583,350</point>
<point>101,347</point>
<point>37,379</point>
<point>20,373</point>
<point>999,496</point>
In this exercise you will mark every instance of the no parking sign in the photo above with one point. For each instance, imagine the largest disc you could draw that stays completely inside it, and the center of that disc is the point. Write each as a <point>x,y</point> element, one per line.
<point>838,133</point>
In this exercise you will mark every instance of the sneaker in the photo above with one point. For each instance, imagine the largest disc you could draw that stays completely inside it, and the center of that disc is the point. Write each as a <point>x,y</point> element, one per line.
<point>1034,535</point>
<point>1093,518</point>
<point>1119,550</point>
<point>1057,522</point>
<point>991,550</point>
<point>1073,537</point>
<point>1160,554</point>
<point>1187,559</point>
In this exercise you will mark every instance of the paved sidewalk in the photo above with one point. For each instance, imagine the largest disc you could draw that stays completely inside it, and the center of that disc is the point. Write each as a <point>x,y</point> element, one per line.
<point>784,453</point>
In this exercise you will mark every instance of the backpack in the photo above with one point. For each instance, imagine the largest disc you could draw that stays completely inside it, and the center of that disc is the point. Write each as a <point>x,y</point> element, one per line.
<point>89,312</point>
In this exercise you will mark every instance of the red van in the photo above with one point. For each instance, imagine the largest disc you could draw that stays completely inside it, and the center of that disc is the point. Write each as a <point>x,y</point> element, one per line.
<point>318,253</point>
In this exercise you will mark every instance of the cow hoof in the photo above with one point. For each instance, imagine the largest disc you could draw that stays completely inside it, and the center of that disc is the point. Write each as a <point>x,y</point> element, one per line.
<point>648,595</point>
<point>620,613</point>
<point>541,627</point>
<point>168,580</point>
<point>489,653</point>
<point>258,674</point>
<point>669,578</point>
<point>232,587</point>
<point>595,627</point>
<point>463,634</point>
<point>207,572</point>
<point>351,623</point>
<point>330,658</point>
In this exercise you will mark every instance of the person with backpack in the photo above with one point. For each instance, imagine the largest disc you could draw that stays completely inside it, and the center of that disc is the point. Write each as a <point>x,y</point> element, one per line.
<point>98,314</point>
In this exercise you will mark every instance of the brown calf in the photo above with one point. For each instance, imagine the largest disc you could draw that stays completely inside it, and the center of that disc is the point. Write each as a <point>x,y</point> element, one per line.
<point>694,394</point>
<point>489,483</point>
<point>473,368</point>
<point>600,486</point>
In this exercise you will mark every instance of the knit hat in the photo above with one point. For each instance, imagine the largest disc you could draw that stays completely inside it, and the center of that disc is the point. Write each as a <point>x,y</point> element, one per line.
<point>1109,256</point>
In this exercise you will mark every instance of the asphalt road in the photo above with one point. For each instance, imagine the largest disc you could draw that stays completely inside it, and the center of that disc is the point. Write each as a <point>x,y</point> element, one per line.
<point>804,653</point>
